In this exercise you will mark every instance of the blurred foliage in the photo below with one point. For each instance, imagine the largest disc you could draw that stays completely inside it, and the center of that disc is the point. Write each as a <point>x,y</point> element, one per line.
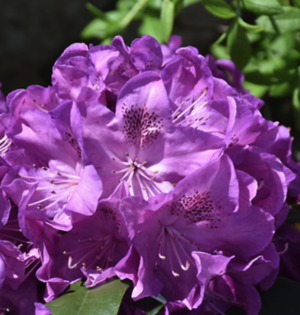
<point>263,38</point>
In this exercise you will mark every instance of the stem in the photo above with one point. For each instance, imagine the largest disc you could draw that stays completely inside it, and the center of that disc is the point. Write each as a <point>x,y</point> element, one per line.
<point>131,14</point>
<point>274,24</point>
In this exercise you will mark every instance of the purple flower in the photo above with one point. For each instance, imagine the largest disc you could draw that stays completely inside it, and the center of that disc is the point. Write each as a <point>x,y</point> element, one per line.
<point>92,248</point>
<point>205,202</point>
<point>62,181</point>
<point>147,162</point>
<point>139,145</point>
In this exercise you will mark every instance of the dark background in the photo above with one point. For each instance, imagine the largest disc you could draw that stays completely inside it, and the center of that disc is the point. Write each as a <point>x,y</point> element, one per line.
<point>33,34</point>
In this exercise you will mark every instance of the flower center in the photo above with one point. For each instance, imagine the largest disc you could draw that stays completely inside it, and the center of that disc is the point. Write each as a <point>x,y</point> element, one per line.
<point>59,186</point>
<point>141,181</point>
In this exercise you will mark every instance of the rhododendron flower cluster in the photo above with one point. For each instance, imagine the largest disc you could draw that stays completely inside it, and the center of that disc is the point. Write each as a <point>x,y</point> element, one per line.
<point>149,163</point>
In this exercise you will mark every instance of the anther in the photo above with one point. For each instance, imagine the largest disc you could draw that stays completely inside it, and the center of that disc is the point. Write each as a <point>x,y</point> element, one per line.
<point>44,168</point>
<point>113,158</point>
<point>163,258</point>
<point>113,171</point>
<point>53,192</point>
<point>187,266</point>
<point>70,263</point>
<point>286,247</point>
<point>175,274</point>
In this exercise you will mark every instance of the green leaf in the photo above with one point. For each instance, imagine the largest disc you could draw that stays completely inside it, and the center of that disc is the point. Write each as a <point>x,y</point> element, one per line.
<point>151,26</point>
<point>155,4</point>
<point>95,11</point>
<point>103,300</point>
<point>220,39</point>
<point>280,90</point>
<point>238,45</point>
<point>219,8</point>
<point>249,27</point>
<point>220,52</point>
<point>296,105</point>
<point>96,28</point>
<point>288,21</point>
<point>178,6</point>
<point>167,19</point>
<point>283,45</point>
<point>297,3</point>
<point>150,305</point>
<point>262,7</point>
<point>100,28</point>
<point>255,89</point>
<point>190,2</point>
<point>126,5</point>
<point>281,298</point>
<point>276,77</point>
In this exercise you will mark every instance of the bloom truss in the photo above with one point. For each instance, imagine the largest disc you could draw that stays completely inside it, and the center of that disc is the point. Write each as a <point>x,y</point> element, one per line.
<point>149,163</point>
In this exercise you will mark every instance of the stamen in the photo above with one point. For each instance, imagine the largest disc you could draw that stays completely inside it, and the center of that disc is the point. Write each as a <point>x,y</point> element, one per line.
<point>5,144</point>
<point>42,107</point>
<point>162,257</point>
<point>286,247</point>
<point>187,264</point>
<point>261,183</point>
<point>191,106</point>
<point>179,107</point>
<point>175,274</point>
<point>70,266</point>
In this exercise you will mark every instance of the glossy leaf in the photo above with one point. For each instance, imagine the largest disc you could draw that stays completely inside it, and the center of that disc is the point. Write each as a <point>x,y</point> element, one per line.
<point>238,45</point>
<point>262,7</point>
<point>281,298</point>
<point>167,19</point>
<point>288,21</point>
<point>103,300</point>
<point>219,8</point>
